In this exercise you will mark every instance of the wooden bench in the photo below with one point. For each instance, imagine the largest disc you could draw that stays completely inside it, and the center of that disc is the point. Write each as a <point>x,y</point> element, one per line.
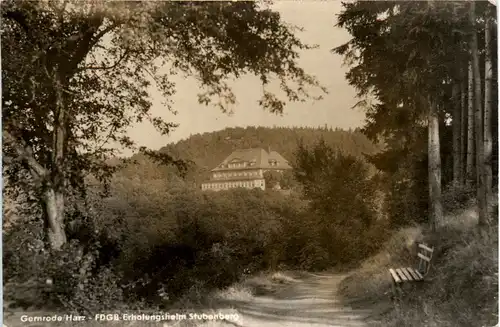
<point>408,275</point>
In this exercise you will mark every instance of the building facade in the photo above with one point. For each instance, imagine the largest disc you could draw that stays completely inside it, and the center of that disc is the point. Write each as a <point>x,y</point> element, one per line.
<point>245,168</point>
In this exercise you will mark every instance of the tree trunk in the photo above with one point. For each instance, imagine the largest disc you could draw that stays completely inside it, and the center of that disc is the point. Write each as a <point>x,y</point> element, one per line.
<point>54,188</point>
<point>457,113</point>
<point>481,190</point>
<point>434,162</point>
<point>54,218</point>
<point>469,171</point>
<point>463,129</point>
<point>488,84</point>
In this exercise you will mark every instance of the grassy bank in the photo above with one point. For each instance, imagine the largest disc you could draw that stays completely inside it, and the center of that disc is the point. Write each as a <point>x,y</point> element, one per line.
<point>462,284</point>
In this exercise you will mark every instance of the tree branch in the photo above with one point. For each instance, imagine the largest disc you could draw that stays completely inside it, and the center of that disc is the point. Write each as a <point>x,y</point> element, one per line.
<point>25,153</point>
<point>104,67</point>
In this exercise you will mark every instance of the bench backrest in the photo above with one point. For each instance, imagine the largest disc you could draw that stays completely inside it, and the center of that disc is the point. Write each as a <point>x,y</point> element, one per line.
<point>424,256</point>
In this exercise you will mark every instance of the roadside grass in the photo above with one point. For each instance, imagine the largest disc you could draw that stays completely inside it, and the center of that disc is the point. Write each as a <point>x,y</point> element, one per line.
<point>462,284</point>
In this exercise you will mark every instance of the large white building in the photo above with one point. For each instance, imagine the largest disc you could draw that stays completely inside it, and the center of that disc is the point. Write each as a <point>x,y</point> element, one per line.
<point>245,168</point>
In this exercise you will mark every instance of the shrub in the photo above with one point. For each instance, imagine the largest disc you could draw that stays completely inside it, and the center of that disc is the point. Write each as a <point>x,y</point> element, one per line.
<point>457,198</point>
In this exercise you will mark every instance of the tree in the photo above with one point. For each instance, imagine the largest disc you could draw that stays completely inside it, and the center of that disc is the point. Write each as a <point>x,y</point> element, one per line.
<point>76,76</point>
<point>456,125</point>
<point>463,128</point>
<point>488,103</point>
<point>341,198</point>
<point>288,181</point>
<point>478,121</point>
<point>436,206</point>
<point>272,179</point>
<point>410,56</point>
<point>470,127</point>
<point>406,54</point>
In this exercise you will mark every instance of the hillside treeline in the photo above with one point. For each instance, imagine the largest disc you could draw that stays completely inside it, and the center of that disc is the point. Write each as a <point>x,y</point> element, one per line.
<point>205,151</point>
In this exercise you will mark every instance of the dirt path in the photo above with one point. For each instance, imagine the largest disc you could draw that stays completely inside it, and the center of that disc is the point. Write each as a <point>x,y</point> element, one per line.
<point>306,300</point>
<point>294,299</point>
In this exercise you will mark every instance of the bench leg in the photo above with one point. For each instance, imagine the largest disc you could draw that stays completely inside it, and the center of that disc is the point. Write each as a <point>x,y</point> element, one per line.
<point>396,291</point>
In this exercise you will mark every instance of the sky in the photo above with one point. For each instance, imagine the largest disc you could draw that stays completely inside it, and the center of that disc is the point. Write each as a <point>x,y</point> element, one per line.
<point>335,109</point>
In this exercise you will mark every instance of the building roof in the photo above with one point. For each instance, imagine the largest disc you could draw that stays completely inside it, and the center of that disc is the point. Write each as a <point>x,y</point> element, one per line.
<point>258,156</point>
<point>276,156</point>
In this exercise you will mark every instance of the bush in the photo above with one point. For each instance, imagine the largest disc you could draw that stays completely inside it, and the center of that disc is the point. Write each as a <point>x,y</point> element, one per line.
<point>80,283</point>
<point>457,198</point>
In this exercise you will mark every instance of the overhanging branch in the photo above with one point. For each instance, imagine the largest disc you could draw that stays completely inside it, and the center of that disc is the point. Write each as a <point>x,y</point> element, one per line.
<point>104,67</point>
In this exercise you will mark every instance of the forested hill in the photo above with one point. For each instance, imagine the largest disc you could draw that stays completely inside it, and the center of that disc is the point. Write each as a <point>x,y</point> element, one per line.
<point>209,149</point>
